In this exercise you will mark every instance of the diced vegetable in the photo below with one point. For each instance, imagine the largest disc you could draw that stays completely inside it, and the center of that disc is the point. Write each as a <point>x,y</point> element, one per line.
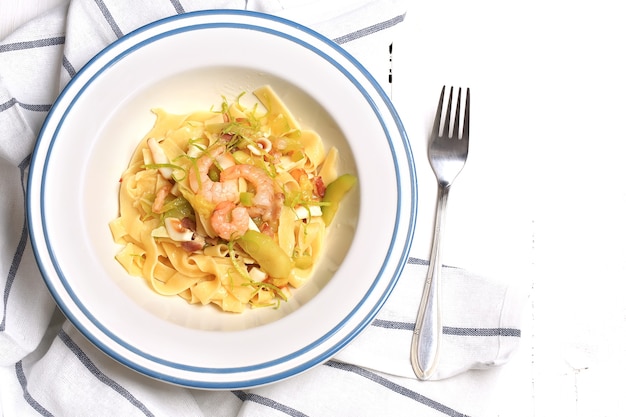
<point>335,191</point>
<point>267,253</point>
<point>179,208</point>
<point>245,199</point>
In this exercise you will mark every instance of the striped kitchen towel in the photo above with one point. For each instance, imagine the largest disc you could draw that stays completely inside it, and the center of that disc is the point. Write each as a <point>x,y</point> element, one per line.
<point>47,367</point>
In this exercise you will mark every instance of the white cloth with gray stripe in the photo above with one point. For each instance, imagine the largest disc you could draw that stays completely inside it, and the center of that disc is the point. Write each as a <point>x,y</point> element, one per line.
<point>48,368</point>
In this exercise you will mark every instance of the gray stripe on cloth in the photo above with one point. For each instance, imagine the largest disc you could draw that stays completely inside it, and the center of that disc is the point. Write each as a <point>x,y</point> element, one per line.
<point>31,107</point>
<point>418,261</point>
<point>21,377</point>
<point>69,67</point>
<point>454,331</point>
<point>394,325</point>
<point>471,331</point>
<point>21,246</point>
<point>177,6</point>
<point>361,33</point>
<point>82,356</point>
<point>37,43</point>
<point>109,18</point>
<point>274,405</point>
<point>240,394</point>
<point>399,389</point>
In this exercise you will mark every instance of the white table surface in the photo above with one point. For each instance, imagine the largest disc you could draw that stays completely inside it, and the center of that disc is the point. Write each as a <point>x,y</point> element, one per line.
<point>542,198</point>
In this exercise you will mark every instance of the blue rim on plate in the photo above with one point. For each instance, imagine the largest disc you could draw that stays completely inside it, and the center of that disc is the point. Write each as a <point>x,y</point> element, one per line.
<point>264,372</point>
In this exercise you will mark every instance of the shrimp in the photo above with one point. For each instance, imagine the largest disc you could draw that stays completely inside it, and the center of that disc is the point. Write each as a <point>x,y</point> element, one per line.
<point>229,221</point>
<point>264,196</point>
<point>211,191</point>
<point>159,200</point>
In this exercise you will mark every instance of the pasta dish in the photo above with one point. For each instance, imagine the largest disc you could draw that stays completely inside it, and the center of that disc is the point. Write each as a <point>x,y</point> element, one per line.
<point>228,206</point>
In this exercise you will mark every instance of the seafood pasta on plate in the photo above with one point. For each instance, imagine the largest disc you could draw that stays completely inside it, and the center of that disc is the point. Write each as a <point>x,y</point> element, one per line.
<point>228,206</point>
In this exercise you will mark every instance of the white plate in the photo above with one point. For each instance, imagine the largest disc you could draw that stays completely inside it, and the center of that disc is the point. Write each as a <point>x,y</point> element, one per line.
<point>182,64</point>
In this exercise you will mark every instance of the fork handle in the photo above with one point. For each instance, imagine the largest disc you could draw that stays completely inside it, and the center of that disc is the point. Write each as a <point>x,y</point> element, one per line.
<point>426,342</point>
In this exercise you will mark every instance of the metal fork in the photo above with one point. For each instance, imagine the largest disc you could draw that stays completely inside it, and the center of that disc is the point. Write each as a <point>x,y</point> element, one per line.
<point>447,153</point>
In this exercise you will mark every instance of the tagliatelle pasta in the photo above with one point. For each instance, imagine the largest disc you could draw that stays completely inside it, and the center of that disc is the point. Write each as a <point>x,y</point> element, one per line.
<point>228,206</point>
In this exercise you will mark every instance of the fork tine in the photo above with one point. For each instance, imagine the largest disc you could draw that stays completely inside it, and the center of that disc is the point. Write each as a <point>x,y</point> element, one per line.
<point>446,126</point>
<point>457,115</point>
<point>437,123</point>
<point>466,119</point>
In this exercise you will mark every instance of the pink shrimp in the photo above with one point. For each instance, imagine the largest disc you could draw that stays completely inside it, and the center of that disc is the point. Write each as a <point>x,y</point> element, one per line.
<point>159,200</point>
<point>229,221</point>
<point>211,191</point>
<point>264,196</point>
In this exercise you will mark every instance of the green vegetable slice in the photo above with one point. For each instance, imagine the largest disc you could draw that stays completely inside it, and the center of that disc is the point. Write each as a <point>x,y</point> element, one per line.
<point>269,255</point>
<point>335,191</point>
